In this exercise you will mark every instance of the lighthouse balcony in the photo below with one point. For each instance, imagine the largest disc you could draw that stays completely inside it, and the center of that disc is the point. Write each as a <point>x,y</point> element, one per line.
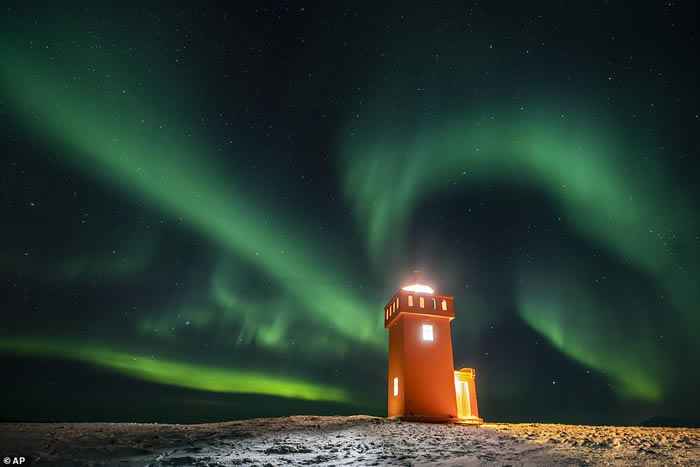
<point>406,301</point>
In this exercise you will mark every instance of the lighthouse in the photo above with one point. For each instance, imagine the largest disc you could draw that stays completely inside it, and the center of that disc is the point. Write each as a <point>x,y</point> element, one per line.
<point>423,383</point>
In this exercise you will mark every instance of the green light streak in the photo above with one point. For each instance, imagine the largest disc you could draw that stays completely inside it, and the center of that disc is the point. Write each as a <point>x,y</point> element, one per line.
<point>568,161</point>
<point>587,331</point>
<point>174,373</point>
<point>120,142</point>
<point>583,169</point>
<point>277,331</point>
<point>107,127</point>
<point>234,319</point>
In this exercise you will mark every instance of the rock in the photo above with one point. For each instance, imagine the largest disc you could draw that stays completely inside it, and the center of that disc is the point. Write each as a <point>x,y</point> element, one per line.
<point>288,449</point>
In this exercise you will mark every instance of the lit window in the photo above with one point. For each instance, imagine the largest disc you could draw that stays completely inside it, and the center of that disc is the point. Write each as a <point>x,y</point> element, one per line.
<point>428,332</point>
<point>386,314</point>
<point>433,303</point>
<point>444,305</point>
<point>422,302</point>
<point>396,386</point>
<point>410,300</point>
<point>397,303</point>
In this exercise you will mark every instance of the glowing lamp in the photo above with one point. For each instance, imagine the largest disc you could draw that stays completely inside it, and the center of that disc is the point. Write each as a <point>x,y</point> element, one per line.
<point>419,288</point>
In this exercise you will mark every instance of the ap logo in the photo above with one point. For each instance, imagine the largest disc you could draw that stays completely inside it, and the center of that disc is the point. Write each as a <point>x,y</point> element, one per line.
<point>14,460</point>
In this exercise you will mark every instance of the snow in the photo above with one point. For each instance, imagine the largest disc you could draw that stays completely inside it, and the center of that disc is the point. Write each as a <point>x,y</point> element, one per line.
<point>355,440</point>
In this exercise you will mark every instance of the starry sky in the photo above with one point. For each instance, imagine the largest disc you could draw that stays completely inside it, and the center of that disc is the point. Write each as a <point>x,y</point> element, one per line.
<point>205,206</point>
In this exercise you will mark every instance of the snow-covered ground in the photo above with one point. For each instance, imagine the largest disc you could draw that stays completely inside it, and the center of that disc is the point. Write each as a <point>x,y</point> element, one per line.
<point>356,440</point>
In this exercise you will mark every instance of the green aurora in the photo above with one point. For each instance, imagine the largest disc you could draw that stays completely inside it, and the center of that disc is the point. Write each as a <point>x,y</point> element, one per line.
<point>176,373</point>
<point>244,280</point>
<point>571,164</point>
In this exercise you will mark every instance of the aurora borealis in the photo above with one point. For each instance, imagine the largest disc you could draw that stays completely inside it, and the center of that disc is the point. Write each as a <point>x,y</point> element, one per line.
<point>205,208</point>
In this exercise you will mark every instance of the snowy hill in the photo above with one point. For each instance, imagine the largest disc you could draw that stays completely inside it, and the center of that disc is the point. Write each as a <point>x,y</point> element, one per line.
<point>355,440</point>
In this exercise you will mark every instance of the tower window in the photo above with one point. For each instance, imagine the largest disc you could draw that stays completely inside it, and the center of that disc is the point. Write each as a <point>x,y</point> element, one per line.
<point>428,332</point>
<point>386,314</point>
<point>432,302</point>
<point>444,304</point>
<point>397,303</point>
<point>410,300</point>
<point>396,386</point>
<point>422,302</point>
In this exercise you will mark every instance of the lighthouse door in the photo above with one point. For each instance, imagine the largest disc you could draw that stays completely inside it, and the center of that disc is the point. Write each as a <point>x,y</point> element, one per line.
<point>462,391</point>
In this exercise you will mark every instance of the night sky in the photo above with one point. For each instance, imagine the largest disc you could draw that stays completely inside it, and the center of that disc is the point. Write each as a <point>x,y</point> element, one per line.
<point>206,206</point>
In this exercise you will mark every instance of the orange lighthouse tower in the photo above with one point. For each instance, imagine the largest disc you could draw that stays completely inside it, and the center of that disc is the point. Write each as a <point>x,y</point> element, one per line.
<point>423,384</point>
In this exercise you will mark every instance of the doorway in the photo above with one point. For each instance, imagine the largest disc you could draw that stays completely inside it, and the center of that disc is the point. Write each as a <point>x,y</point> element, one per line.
<point>462,391</point>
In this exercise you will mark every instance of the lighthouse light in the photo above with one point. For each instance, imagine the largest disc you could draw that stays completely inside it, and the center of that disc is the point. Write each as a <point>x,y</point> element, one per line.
<point>419,288</point>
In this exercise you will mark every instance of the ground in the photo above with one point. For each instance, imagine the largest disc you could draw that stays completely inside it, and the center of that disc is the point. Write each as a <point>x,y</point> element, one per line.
<point>356,440</point>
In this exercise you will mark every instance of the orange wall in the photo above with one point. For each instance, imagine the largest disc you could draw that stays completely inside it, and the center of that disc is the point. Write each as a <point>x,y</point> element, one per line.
<point>472,398</point>
<point>396,339</point>
<point>427,387</point>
